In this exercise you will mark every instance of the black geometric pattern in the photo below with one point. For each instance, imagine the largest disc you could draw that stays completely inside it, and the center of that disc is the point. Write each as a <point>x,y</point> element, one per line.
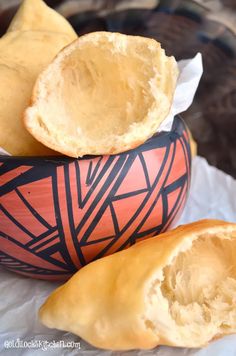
<point>57,214</point>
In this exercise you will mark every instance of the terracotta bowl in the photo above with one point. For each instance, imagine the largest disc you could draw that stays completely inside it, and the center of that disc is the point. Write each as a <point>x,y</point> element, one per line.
<point>57,214</point>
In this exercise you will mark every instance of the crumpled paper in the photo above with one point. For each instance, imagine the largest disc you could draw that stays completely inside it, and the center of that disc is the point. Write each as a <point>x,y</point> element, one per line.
<point>211,196</point>
<point>190,72</point>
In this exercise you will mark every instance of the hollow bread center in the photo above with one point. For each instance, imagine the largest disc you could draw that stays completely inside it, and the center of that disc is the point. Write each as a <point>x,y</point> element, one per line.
<point>198,291</point>
<point>102,92</point>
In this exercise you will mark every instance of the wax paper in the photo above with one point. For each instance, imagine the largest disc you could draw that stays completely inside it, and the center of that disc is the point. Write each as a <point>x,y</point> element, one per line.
<point>212,195</point>
<point>190,72</point>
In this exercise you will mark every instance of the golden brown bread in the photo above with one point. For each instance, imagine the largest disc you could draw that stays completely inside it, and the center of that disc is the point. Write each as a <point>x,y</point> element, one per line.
<point>177,289</point>
<point>35,15</point>
<point>36,34</point>
<point>105,93</point>
<point>193,144</point>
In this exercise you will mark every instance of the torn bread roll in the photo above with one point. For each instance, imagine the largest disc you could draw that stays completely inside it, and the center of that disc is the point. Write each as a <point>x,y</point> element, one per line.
<point>103,94</point>
<point>176,289</point>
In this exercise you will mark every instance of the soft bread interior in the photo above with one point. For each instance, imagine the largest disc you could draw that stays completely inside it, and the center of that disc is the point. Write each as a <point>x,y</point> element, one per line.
<point>105,93</point>
<point>176,289</point>
<point>195,299</point>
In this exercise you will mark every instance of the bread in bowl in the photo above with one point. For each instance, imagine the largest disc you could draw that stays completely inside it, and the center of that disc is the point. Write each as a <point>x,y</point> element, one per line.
<point>24,52</point>
<point>35,15</point>
<point>105,93</point>
<point>177,289</point>
<point>114,201</point>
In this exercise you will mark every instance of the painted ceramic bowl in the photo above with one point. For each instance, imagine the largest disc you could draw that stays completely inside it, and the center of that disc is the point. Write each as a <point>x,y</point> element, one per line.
<point>57,214</point>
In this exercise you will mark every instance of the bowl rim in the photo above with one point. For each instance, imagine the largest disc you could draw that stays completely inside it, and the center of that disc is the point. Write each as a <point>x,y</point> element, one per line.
<point>178,122</point>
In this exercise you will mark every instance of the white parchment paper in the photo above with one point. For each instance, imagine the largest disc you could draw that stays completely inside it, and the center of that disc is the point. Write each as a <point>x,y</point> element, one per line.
<point>212,195</point>
<point>190,72</point>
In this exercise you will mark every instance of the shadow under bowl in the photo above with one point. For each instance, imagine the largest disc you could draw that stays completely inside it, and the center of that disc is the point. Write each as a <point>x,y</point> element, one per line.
<point>57,214</point>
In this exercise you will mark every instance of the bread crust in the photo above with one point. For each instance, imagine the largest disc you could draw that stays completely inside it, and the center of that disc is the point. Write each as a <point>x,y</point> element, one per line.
<point>106,302</point>
<point>51,133</point>
<point>35,36</point>
<point>35,15</point>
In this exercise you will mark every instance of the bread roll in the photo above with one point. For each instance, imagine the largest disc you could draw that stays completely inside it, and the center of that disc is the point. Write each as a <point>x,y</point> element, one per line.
<point>193,144</point>
<point>105,93</point>
<point>29,46</point>
<point>176,289</point>
<point>35,15</point>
